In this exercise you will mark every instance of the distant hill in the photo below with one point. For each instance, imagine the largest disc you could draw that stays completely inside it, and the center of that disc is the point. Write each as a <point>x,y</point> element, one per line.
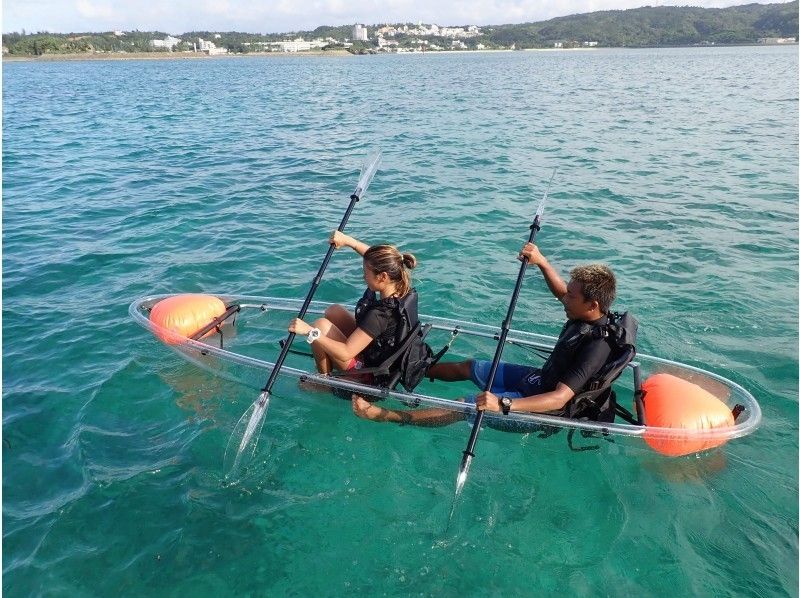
<point>639,27</point>
<point>656,26</point>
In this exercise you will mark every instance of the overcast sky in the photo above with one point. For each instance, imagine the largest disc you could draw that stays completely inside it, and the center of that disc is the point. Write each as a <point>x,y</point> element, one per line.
<point>279,16</point>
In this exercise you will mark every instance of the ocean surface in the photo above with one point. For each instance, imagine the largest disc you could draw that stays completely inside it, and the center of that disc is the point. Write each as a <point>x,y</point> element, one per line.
<point>678,167</point>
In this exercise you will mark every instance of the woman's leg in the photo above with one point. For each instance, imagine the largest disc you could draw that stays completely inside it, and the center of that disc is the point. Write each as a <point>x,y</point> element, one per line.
<point>325,363</point>
<point>342,319</point>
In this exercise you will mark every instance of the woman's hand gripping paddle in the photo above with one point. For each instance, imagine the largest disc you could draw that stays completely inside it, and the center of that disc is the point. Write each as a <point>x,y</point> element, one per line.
<point>244,439</point>
<point>506,326</point>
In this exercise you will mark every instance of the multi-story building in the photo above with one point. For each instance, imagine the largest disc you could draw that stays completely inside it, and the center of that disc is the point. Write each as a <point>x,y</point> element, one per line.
<point>168,42</point>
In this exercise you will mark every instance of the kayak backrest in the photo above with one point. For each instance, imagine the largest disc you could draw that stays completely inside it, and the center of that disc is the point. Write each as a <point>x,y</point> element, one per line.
<point>598,401</point>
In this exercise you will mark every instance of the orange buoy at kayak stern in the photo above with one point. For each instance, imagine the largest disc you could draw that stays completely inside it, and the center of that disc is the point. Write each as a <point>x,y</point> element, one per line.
<point>178,317</point>
<point>672,402</point>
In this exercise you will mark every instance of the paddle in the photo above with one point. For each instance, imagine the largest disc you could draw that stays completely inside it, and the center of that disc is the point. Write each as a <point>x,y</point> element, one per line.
<point>506,326</point>
<point>254,416</point>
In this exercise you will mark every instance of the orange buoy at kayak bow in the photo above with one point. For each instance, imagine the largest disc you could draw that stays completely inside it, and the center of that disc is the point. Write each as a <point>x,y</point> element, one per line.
<point>672,402</point>
<point>179,317</point>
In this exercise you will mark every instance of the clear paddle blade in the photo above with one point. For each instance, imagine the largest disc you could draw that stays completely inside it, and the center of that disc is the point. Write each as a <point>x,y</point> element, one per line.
<point>462,477</point>
<point>368,171</point>
<point>540,209</point>
<point>244,439</point>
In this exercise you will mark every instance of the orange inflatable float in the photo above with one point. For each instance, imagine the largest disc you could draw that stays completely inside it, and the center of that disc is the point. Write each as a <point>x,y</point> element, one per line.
<point>672,402</point>
<point>178,317</point>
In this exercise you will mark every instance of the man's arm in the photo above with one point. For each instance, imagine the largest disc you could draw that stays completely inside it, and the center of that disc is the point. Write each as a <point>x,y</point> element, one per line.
<point>554,282</point>
<point>541,403</point>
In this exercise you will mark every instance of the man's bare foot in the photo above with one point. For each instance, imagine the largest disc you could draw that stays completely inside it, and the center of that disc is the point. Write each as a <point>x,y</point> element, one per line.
<point>366,410</point>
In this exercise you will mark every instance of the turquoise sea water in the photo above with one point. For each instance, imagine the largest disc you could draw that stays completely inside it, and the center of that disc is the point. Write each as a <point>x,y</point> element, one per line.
<point>120,179</point>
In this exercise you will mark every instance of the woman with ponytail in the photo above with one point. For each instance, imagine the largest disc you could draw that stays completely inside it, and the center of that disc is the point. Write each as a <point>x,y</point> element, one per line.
<point>346,341</point>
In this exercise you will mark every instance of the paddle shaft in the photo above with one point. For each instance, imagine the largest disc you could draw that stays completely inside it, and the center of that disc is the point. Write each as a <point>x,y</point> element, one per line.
<point>506,326</point>
<point>314,285</point>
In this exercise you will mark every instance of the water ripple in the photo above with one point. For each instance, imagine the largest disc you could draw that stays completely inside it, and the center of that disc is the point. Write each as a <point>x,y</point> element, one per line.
<point>677,167</point>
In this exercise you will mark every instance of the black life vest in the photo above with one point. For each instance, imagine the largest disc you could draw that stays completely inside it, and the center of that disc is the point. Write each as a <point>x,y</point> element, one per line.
<point>416,357</point>
<point>596,400</point>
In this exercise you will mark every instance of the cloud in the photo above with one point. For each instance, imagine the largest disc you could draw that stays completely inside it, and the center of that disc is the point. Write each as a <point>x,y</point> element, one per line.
<point>99,11</point>
<point>274,16</point>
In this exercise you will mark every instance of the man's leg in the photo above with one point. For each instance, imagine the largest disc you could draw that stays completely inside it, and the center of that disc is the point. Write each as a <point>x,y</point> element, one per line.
<point>451,371</point>
<point>429,418</point>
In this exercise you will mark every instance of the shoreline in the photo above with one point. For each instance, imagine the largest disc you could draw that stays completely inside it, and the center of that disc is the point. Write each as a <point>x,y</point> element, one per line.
<point>163,56</point>
<point>322,54</point>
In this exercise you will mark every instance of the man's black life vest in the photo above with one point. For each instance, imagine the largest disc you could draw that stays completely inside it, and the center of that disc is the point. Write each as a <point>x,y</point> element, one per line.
<point>382,352</point>
<point>596,400</point>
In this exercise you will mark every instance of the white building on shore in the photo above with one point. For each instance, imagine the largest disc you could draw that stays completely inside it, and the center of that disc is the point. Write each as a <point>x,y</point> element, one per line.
<point>168,42</point>
<point>359,33</point>
<point>298,44</point>
<point>210,48</point>
<point>776,40</point>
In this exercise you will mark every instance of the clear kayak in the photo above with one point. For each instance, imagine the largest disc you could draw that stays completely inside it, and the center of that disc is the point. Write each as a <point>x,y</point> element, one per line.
<point>240,348</point>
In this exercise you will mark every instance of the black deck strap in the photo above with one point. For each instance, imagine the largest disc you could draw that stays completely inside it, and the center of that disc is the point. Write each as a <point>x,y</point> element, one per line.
<point>638,400</point>
<point>604,435</point>
<point>737,411</point>
<point>572,447</point>
<point>625,414</point>
<point>439,354</point>
<point>546,431</point>
<point>215,323</point>
<point>282,342</point>
<point>538,351</point>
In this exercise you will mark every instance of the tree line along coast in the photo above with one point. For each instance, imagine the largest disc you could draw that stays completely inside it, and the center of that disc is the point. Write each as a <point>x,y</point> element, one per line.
<point>661,26</point>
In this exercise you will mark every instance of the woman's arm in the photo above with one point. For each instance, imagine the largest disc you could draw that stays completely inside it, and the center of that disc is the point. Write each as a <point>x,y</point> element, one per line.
<point>339,239</point>
<point>341,351</point>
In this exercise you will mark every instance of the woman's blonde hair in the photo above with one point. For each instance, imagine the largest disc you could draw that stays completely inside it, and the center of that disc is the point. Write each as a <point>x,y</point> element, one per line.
<point>398,266</point>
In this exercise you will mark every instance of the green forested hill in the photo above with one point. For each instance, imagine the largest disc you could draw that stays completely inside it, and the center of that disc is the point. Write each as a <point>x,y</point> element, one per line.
<point>657,26</point>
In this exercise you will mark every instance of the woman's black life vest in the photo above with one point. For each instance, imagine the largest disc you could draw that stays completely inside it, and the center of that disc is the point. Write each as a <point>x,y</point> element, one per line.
<point>416,357</point>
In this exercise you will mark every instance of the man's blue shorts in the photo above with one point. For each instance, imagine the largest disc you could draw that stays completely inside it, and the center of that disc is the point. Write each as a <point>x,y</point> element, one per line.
<point>510,380</point>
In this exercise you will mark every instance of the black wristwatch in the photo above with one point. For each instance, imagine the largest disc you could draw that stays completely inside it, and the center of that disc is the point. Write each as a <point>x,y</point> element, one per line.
<point>505,405</point>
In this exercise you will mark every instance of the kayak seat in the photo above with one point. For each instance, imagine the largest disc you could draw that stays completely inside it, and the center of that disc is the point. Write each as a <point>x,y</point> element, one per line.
<point>597,402</point>
<point>390,372</point>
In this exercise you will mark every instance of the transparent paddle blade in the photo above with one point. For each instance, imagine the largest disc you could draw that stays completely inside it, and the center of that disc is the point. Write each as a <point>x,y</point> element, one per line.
<point>540,209</point>
<point>244,439</point>
<point>368,171</point>
<point>462,476</point>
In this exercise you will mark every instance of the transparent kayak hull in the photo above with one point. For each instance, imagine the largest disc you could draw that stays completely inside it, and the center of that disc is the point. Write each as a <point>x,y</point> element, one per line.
<point>241,354</point>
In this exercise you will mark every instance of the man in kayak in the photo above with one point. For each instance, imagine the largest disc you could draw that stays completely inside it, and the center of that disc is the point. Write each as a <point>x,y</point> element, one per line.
<point>578,355</point>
